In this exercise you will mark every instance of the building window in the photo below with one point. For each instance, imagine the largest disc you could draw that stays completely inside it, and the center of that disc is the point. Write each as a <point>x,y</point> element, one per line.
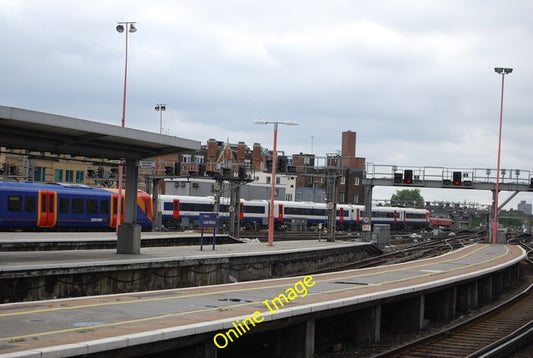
<point>186,158</point>
<point>69,176</point>
<point>356,198</point>
<point>356,181</point>
<point>268,180</point>
<point>39,174</point>
<point>343,180</point>
<point>80,174</point>
<point>278,180</point>
<point>58,175</point>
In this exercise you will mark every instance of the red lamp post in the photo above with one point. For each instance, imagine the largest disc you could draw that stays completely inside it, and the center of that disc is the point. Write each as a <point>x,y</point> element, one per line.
<point>502,71</point>
<point>273,179</point>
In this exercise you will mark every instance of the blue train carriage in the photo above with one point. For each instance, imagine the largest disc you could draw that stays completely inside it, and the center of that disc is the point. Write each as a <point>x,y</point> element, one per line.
<point>59,206</point>
<point>145,214</point>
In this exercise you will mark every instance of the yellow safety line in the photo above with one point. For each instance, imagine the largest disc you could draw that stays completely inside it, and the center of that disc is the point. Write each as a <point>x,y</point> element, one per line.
<point>47,333</point>
<point>218,292</point>
<point>100,304</point>
<point>422,275</point>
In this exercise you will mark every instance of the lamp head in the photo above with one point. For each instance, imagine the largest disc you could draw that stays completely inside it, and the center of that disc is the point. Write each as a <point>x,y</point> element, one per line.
<point>502,70</point>
<point>132,28</point>
<point>120,28</point>
<point>291,123</point>
<point>260,121</point>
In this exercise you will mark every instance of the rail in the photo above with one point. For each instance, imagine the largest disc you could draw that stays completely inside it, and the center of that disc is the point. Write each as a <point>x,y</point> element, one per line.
<point>499,332</point>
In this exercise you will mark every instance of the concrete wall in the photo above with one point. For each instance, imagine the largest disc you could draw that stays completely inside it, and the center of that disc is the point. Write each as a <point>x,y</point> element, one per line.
<point>40,284</point>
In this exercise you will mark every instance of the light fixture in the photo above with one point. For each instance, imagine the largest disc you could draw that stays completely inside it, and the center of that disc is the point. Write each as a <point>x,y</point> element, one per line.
<point>273,178</point>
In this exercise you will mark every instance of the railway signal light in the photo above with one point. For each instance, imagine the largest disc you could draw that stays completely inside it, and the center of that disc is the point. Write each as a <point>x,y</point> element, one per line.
<point>457,177</point>
<point>398,177</point>
<point>408,176</point>
<point>241,172</point>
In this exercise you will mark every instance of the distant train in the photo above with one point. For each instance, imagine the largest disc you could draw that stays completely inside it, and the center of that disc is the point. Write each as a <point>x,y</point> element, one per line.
<point>184,211</point>
<point>440,221</point>
<point>29,206</point>
<point>65,207</point>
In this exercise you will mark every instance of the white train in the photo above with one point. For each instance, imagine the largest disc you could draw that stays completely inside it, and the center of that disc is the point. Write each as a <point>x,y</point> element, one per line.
<point>179,212</point>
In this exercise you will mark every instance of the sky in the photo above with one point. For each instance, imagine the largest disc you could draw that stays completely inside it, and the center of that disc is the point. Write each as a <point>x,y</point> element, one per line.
<point>414,79</point>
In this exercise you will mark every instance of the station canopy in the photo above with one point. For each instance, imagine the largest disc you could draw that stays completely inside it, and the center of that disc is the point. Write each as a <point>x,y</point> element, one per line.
<point>45,132</point>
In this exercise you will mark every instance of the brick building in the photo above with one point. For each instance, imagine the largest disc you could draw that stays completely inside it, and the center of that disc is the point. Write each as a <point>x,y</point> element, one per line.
<point>304,173</point>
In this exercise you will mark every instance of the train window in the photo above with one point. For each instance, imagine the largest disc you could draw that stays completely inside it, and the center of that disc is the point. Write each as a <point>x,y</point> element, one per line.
<point>104,206</point>
<point>64,205</point>
<point>77,206</point>
<point>305,211</point>
<point>14,203</point>
<point>92,206</point>
<point>167,206</point>
<point>254,209</point>
<point>29,204</point>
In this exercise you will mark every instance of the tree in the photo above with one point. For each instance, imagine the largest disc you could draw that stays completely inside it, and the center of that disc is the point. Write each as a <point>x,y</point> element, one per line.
<point>407,197</point>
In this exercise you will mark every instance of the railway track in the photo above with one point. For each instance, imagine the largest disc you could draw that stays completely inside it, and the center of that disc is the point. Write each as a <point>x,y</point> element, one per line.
<point>496,333</point>
<point>414,251</point>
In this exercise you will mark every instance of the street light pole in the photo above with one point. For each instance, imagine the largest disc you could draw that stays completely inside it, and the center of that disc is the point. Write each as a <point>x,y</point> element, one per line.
<point>160,108</point>
<point>503,71</point>
<point>120,28</point>
<point>273,178</point>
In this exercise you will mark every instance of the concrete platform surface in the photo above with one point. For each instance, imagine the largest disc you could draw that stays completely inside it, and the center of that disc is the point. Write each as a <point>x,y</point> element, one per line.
<point>23,260</point>
<point>84,325</point>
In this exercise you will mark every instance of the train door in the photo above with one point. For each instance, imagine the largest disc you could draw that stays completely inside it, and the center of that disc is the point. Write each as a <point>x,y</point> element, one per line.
<point>47,205</point>
<point>341,215</point>
<point>241,211</point>
<point>175,209</point>
<point>395,215</point>
<point>114,209</point>
<point>280,213</point>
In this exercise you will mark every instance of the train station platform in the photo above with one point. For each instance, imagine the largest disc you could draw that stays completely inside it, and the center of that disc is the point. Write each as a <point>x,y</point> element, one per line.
<point>284,317</point>
<point>37,275</point>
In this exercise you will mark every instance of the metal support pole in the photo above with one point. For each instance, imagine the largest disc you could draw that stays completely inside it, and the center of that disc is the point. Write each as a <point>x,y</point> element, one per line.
<point>503,72</point>
<point>273,187</point>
